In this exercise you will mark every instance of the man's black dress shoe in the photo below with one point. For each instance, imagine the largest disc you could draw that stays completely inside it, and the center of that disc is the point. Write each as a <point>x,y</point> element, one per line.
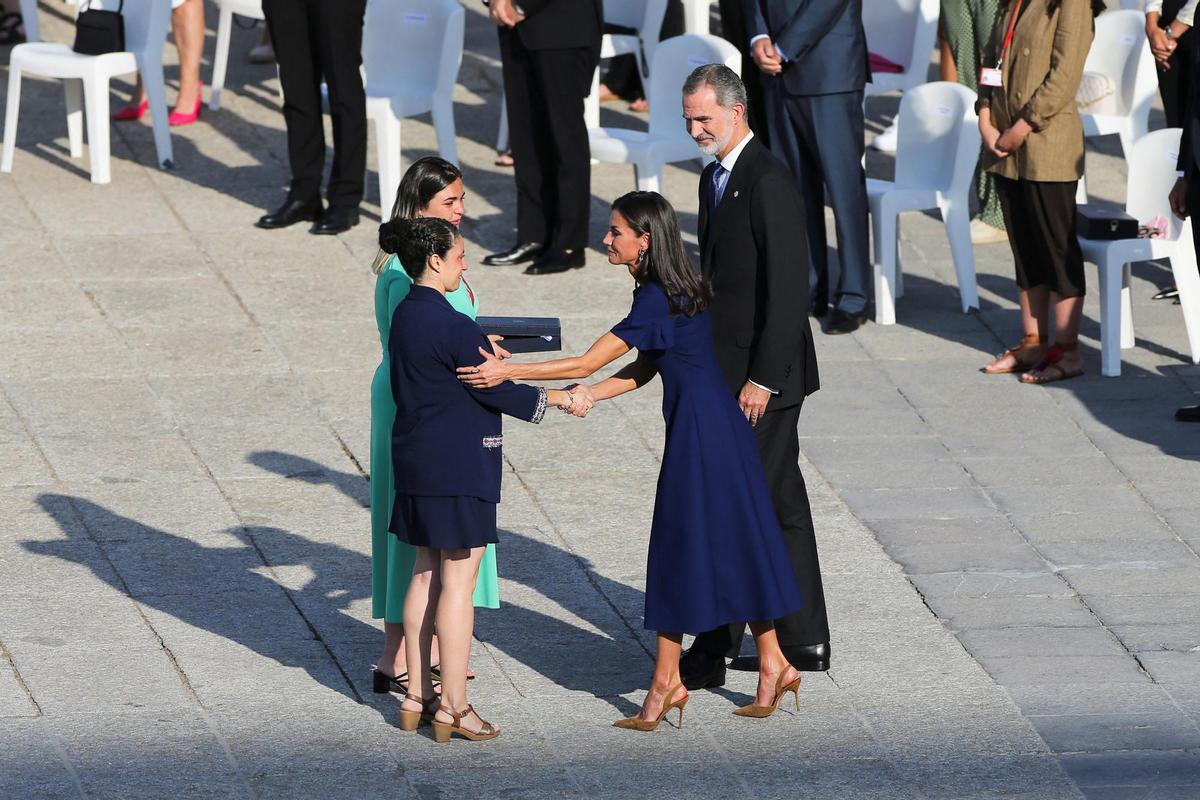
<point>818,310</point>
<point>844,322</point>
<point>291,212</point>
<point>522,252</point>
<point>336,219</point>
<point>1188,414</point>
<point>701,670</point>
<point>550,263</point>
<point>806,658</point>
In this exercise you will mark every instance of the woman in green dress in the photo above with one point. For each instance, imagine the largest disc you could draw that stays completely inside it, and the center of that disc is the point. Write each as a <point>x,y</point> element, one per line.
<point>432,187</point>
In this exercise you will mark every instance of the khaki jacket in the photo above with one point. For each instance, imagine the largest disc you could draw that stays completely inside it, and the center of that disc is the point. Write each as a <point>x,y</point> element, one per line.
<point>1042,71</point>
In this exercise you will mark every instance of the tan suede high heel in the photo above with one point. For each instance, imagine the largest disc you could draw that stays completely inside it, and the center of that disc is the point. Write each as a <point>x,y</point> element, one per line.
<point>442,731</point>
<point>757,711</point>
<point>411,720</point>
<point>636,723</point>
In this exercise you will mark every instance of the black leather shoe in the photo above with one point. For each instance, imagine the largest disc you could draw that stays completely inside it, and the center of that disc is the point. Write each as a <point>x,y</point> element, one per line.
<point>844,322</point>
<point>519,254</point>
<point>809,657</point>
<point>701,670</point>
<point>1188,414</point>
<point>291,212</point>
<point>818,310</point>
<point>336,219</point>
<point>382,684</point>
<point>550,263</point>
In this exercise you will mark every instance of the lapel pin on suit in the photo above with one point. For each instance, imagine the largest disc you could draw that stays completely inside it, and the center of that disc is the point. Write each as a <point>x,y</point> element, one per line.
<point>735,192</point>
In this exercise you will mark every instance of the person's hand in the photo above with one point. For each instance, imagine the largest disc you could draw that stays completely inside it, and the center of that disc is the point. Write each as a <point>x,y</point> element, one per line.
<point>503,14</point>
<point>1178,198</point>
<point>1014,137</point>
<point>766,56</point>
<point>582,400</point>
<point>753,401</point>
<point>492,372</point>
<point>499,350</point>
<point>1160,46</point>
<point>990,133</point>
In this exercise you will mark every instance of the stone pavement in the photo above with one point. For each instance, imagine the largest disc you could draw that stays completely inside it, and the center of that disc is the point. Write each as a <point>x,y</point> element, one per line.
<point>184,602</point>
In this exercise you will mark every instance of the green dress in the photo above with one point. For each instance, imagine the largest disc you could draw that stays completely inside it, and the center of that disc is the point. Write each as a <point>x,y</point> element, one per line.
<point>391,559</point>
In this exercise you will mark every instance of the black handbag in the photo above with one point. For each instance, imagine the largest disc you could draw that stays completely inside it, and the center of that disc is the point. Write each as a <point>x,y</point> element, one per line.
<point>524,334</point>
<point>98,31</point>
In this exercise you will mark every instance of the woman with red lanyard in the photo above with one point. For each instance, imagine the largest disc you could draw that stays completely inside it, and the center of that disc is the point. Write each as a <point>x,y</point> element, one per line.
<point>1033,144</point>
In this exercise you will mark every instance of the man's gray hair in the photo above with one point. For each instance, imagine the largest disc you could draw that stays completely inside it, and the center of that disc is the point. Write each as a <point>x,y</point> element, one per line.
<point>726,84</point>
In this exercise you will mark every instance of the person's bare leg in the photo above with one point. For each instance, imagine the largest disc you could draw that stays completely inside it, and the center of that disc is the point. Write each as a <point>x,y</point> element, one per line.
<point>420,607</point>
<point>947,69</point>
<point>455,624</point>
<point>187,27</point>
<point>1035,322</point>
<point>771,662</point>
<point>394,658</point>
<point>666,675</point>
<point>1068,313</point>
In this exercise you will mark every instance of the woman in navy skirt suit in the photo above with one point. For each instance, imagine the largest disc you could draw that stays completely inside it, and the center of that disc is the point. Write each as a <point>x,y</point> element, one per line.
<point>446,446</point>
<point>717,554</point>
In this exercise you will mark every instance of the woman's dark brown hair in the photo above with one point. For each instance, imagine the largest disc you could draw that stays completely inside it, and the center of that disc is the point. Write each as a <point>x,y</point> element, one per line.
<point>665,261</point>
<point>421,182</point>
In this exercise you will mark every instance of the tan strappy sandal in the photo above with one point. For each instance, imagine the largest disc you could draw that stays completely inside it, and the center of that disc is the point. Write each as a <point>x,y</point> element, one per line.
<point>411,720</point>
<point>636,723</point>
<point>757,711</point>
<point>442,731</point>
<point>1030,340</point>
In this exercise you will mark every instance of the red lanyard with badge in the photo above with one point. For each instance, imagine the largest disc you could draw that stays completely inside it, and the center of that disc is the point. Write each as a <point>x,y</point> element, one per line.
<point>993,76</point>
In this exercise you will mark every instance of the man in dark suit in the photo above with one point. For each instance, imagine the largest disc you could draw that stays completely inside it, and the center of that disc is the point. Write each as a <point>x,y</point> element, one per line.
<point>1185,195</point>
<point>752,247</point>
<point>549,50</point>
<point>315,41</point>
<point>813,54</point>
<point>733,29</point>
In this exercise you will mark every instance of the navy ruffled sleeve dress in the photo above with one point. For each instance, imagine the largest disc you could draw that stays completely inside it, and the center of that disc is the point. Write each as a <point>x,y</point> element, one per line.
<point>717,554</point>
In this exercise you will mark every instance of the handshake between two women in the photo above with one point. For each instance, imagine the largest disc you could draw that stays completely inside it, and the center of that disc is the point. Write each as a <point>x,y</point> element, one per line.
<point>576,400</point>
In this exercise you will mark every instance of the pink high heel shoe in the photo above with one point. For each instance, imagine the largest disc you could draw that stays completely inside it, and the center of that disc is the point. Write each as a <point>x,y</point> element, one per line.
<point>132,113</point>
<point>176,118</point>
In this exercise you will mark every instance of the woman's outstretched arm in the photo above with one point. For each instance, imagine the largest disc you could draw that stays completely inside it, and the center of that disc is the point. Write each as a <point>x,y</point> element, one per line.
<point>492,371</point>
<point>628,378</point>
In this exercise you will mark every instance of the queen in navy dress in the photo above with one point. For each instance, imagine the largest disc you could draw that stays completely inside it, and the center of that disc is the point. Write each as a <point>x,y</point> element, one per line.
<point>717,554</point>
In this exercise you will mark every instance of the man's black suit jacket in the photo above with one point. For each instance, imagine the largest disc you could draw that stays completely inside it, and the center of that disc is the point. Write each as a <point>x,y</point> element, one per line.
<point>753,252</point>
<point>557,24</point>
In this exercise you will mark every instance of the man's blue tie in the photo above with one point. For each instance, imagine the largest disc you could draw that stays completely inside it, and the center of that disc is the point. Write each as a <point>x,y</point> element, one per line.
<point>718,175</point>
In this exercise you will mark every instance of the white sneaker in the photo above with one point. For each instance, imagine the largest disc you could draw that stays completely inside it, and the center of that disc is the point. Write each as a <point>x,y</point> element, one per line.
<point>886,141</point>
<point>982,233</point>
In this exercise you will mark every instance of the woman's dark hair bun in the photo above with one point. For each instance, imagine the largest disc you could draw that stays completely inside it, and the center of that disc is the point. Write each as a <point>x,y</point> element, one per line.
<point>413,241</point>
<point>392,235</point>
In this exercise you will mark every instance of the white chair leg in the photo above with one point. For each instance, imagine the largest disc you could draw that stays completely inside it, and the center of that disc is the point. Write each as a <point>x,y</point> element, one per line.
<point>156,95</point>
<point>1110,319</point>
<point>957,217</point>
<point>96,96</point>
<point>884,225</point>
<point>1183,267</point>
<point>73,90</point>
<point>899,268</point>
<point>387,138</point>
<point>1126,309</point>
<point>12,108</point>
<point>1081,195</point>
<point>220,58</point>
<point>648,179</point>
<point>443,125</point>
<point>591,104</point>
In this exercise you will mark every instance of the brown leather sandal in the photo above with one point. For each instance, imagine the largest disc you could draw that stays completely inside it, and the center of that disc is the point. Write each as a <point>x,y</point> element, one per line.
<point>1019,365</point>
<point>442,731</point>
<point>1050,361</point>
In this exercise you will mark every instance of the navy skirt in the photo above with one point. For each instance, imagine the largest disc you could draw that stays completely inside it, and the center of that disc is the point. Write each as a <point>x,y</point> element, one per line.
<point>444,523</point>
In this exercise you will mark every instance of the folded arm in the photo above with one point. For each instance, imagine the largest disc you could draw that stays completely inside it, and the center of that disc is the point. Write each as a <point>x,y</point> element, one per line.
<point>1072,39</point>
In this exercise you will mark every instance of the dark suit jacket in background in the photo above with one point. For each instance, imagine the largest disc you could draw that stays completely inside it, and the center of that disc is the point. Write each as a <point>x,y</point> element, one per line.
<point>753,251</point>
<point>446,440</point>
<point>823,41</point>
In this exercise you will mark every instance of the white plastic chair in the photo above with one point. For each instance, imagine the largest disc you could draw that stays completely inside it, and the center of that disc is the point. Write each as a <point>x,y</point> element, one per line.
<point>935,162</point>
<point>667,140</point>
<point>645,17</point>
<point>29,18</point>
<point>251,9</point>
<point>1121,52</point>
<point>697,15</point>
<point>904,32</point>
<point>412,50</point>
<point>1151,162</point>
<point>85,82</point>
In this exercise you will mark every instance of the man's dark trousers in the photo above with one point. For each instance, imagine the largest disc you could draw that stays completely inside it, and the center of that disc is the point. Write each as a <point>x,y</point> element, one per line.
<point>315,41</point>
<point>545,90</point>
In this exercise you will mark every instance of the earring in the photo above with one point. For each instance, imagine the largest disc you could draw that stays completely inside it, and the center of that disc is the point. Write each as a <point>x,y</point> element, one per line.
<point>641,254</point>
